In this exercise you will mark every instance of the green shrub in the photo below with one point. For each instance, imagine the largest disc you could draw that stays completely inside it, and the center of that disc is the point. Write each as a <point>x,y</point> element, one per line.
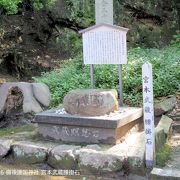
<point>11,6</point>
<point>176,40</point>
<point>60,81</point>
<point>75,75</point>
<point>69,42</point>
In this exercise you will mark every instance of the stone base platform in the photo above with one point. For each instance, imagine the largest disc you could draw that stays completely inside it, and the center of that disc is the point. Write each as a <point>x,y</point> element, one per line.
<point>106,129</point>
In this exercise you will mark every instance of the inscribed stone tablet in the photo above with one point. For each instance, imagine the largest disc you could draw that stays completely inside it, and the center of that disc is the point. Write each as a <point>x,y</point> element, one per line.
<point>104,11</point>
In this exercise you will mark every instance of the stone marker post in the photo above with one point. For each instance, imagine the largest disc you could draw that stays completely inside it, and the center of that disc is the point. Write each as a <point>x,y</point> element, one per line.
<point>148,114</point>
<point>104,11</point>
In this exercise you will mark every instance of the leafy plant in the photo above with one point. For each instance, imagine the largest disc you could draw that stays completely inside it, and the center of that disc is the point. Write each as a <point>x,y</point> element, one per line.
<point>39,4</point>
<point>176,40</point>
<point>81,11</point>
<point>11,6</point>
<point>75,74</point>
<point>69,42</point>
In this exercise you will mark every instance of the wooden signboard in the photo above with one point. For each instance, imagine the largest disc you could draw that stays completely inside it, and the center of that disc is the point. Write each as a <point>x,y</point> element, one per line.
<point>104,44</point>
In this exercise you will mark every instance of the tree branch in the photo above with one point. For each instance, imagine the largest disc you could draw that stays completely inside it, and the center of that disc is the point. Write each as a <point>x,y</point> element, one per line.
<point>142,14</point>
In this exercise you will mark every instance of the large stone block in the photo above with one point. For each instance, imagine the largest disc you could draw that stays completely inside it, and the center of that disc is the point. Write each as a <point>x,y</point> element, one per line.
<point>77,134</point>
<point>98,161</point>
<point>5,146</point>
<point>160,138</point>
<point>85,129</point>
<point>164,106</point>
<point>41,93</point>
<point>62,157</point>
<point>91,102</point>
<point>29,153</point>
<point>34,95</point>
<point>165,174</point>
<point>165,123</point>
<point>132,150</point>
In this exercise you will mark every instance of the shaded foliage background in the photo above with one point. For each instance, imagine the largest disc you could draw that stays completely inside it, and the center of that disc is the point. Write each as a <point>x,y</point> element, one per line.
<point>75,75</point>
<point>152,23</point>
<point>36,35</point>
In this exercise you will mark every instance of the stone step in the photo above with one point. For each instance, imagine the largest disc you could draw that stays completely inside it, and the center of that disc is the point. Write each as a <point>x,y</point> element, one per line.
<point>176,127</point>
<point>165,105</point>
<point>165,173</point>
<point>175,117</point>
<point>127,156</point>
<point>176,137</point>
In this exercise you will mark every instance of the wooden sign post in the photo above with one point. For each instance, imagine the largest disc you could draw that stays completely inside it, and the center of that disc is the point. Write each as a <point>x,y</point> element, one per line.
<point>148,114</point>
<point>105,44</point>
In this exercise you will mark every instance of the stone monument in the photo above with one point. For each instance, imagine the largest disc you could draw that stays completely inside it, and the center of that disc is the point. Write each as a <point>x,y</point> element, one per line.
<point>104,11</point>
<point>88,116</point>
<point>91,102</point>
<point>108,129</point>
<point>93,116</point>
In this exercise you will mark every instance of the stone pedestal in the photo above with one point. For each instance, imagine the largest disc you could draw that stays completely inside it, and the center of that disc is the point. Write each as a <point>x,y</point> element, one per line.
<point>107,129</point>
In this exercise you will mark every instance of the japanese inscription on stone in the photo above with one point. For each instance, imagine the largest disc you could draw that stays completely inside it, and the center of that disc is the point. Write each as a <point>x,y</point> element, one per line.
<point>79,132</point>
<point>148,113</point>
<point>67,131</point>
<point>104,11</point>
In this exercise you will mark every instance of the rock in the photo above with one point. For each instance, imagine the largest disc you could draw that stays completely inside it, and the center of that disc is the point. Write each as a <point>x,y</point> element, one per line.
<point>62,157</point>
<point>107,129</point>
<point>41,93</point>
<point>160,138</point>
<point>97,161</point>
<point>30,104</point>
<point>176,127</point>
<point>165,173</point>
<point>132,152</point>
<point>91,102</point>
<point>29,153</point>
<point>93,146</point>
<point>5,146</point>
<point>165,123</point>
<point>175,117</point>
<point>164,106</point>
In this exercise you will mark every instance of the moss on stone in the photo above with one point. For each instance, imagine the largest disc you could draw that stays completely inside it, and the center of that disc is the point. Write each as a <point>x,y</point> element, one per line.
<point>134,166</point>
<point>23,128</point>
<point>69,162</point>
<point>88,168</point>
<point>28,158</point>
<point>116,166</point>
<point>66,162</point>
<point>163,155</point>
